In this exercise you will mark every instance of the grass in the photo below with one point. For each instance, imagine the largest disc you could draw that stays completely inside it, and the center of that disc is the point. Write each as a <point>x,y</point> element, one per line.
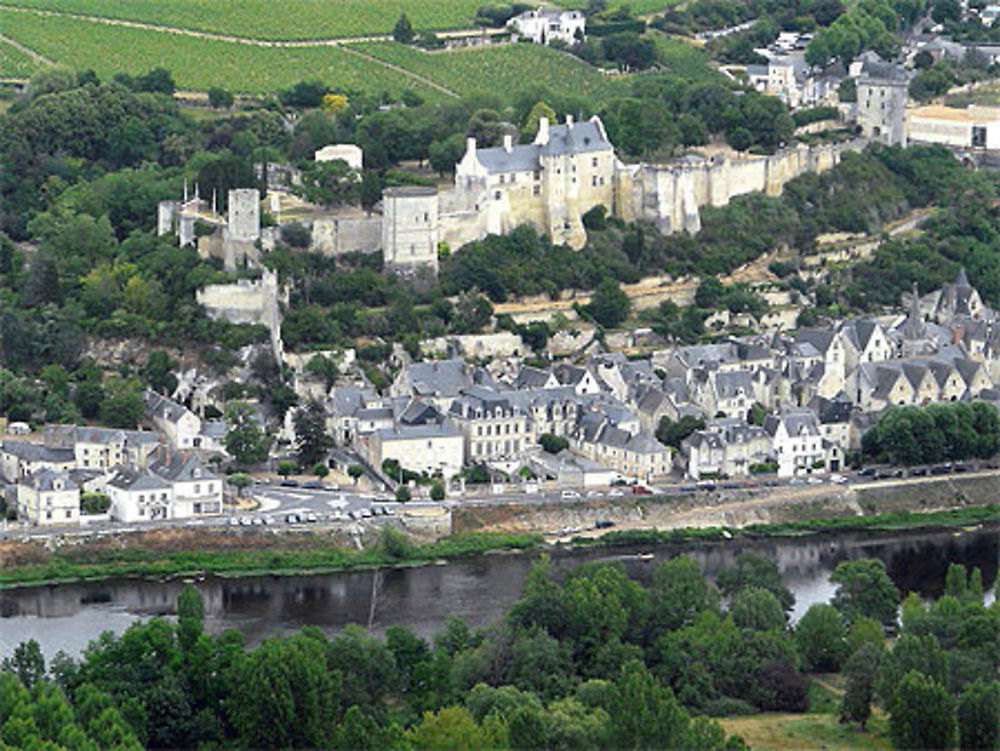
<point>685,59</point>
<point>200,63</point>
<point>502,70</point>
<point>267,556</point>
<point>793,732</point>
<point>264,19</point>
<point>14,63</point>
<point>894,521</point>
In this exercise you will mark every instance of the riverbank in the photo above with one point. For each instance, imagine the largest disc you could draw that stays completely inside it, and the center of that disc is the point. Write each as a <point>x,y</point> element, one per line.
<point>193,553</point>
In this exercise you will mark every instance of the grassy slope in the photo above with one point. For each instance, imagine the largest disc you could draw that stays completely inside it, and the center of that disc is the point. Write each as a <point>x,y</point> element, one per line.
<point>793,732</point>
<point>265,19</point>
<point>14,63</point>
<point>685,59</point>
<point>199,63</point>
<point>499,70</point>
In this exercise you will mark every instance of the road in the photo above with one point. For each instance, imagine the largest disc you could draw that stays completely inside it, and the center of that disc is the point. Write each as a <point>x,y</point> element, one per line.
<point>278,503</point>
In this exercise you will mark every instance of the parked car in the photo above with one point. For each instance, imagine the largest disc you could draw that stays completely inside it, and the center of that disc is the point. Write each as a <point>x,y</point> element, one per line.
<point>311,517</point>
<point>293,518</point>
<point>838,479</point>
<point>313,485</point>
<point>616,493</point>
<point>569,495</point>
<point>603,524</point>
<point>641,490</point>
<point>289,483</point>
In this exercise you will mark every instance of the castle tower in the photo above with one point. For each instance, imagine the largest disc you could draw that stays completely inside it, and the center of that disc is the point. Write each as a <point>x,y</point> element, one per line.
<point>244,215</point>
<point>410,228</point>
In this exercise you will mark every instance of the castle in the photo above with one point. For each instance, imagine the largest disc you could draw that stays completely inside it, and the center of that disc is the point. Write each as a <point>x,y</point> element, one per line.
<point>549,184</point>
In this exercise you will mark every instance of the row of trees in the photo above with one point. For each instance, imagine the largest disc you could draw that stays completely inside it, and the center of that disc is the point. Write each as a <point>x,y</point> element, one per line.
<point>586,658</point>
<point>949,431</point>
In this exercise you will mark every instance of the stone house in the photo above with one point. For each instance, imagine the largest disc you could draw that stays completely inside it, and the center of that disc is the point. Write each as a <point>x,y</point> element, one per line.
<point>19,459</point>
<point>493,427</point>
<point>797,440</point>
<point>726,448</point>
<point>637,456</point>
<point>48,497</point>
<point>181,426</point>
<point>434,449</point>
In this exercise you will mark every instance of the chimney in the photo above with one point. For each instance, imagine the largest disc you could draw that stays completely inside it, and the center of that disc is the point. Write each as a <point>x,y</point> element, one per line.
<point>470,145</point>
<point>543,131</point>
<point>569,121</point>
<point>508,143</point>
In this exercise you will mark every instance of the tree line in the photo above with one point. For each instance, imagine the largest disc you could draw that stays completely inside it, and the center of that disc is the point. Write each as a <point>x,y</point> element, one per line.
<point>586,658</point>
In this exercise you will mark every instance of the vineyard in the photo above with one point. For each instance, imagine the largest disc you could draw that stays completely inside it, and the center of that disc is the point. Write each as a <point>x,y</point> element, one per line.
<point>685,59</point>
<point>14,63</point>
<point>265,19</point>
<point>200,63</point>
<point>291,19</point>
<point>504,69</point>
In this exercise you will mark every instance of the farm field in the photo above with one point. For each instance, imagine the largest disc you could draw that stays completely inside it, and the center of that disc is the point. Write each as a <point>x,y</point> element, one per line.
<point>14,63</point>
<point>294,19</point>
<point>501,69</point>
<point>200,63</point>
<point>264,19</point>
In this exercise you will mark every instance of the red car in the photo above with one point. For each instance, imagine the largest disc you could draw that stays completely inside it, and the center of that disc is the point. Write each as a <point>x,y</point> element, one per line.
<point>641,490</point>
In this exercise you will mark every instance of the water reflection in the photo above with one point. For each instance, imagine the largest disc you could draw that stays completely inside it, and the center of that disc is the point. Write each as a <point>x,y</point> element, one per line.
<point>67,617</point>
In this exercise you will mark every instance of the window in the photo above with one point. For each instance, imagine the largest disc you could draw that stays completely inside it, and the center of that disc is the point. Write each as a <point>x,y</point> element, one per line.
<point>69,513</point>
<point>211,487</point>
<point>503,179</point>
<point>497,195</point>
<point>142,498</point>
<point>593,162</point>
<point>593,181</point>
<point>197,488</point>
<point>48,514</point>
<point>536,190</point>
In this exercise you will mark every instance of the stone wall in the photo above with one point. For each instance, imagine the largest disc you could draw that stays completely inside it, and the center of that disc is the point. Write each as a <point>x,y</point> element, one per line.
<point>334,236</point>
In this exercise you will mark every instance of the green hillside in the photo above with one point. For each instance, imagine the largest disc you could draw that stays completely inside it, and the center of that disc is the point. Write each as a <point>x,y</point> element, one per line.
<point>200,63</point>
<point>500,69</point>
<point>14,63</point>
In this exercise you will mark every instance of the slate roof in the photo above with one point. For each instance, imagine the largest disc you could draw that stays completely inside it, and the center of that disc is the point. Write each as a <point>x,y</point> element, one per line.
<point>578,138</point>
<point>36,452</point>
<point>133,478</point>
<point>444,378</point>
<point>45,480</point>
<point>445,429</point>
<point>531,378</point>
<point>160,406</point>
<point>181,468</point>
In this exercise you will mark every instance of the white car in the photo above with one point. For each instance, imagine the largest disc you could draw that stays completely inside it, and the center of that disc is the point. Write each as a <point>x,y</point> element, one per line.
<point>839,479</point>
<point>570,495</point>
<point>616,493</point>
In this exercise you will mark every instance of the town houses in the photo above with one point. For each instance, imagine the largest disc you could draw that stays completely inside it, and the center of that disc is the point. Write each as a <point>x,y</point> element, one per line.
<point>793,403</point>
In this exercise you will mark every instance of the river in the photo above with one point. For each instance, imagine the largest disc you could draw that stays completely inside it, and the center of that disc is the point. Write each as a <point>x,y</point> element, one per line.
<point>68,616</point>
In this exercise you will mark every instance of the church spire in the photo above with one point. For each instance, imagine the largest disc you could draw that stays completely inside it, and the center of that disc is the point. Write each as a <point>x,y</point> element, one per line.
<point>914,326</point>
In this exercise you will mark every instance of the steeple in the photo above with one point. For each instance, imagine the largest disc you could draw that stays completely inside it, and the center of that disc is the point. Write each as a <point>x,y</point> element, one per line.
<point>962,280</point>
<point>914,326</point>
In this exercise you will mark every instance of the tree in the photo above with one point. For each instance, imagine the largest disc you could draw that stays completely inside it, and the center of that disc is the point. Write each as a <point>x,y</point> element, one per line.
<point>529,128</point>
<point>861,671</point>
<point>190,616</point>
<point>437,491</point>
<point>757,609</point>
<point>296,234</point>
<point>609,305</point>
<point>371,190</point>
<point>287,467</point>
<point>320,469</point>
<point>748,569</point>
<point>454,729</point>
<point>978,716</point>
<point>402,32</point>
<point>283,695</point>
<point>403,494</point>
<point>27,663</point>
<point>680,591</point>
<point>240,481</point>
<point>122,405</point>
<point>921,714</point>
<point>820,639</point>
<point>51,80</point>
<point>552,444</point>
<point>312,442</point>
<point>356,472</point>
<point>645,715</point>
<point>219,98</point>
<point>159,372</point>
<point>245,440</point>
<point>865,589</point>
<point>671,433</point>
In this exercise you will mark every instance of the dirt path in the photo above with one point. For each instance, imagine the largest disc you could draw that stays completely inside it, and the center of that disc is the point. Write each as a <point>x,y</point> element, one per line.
<point>339,42</point>
<point>36,56</point>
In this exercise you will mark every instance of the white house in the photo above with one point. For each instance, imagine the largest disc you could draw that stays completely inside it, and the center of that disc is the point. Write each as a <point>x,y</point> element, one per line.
<point>797,439</point>
<point>420,448</point>
<point>137,495</point>
<point>180,425</point>
<point>197,491</point>
<point>48,497</point>
<point>345,152</point>
<point>544,26</point>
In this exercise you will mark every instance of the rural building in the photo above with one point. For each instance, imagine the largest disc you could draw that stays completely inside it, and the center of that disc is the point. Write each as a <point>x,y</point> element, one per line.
<point>543,26</point>
<point>974,127</point>
<point>48,497</point>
